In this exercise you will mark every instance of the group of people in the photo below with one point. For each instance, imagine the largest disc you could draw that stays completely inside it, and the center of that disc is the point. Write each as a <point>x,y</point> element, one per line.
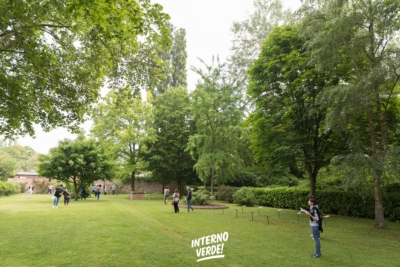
<point>176,197</point>
<point>99,189</point>
<point>60,191</point>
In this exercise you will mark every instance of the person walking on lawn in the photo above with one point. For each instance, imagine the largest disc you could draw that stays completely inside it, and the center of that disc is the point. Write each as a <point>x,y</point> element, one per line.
<point>175,200</point>
<point>189,198</point>
<point>57,194</point>
<point>67,197</point>
<point>166,195</point>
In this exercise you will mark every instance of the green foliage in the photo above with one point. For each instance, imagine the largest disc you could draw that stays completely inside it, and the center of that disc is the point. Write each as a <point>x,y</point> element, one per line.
<point>79,162</point>
<point>8,166</point>
<point>226,192</point>
<point>7,188</point>
<point>25,156</point>
<point>340,202</point>
<point>250,34</point>
<point>166,156</point>
<point>55,56</point>
<point>218,112</point>
<point>288,123</point>
<point>21,187</point>
<point>122,124</point>
<point>174,75</point>
<point>201,197</point>
<point>245,196</point>
<point>360,38</point>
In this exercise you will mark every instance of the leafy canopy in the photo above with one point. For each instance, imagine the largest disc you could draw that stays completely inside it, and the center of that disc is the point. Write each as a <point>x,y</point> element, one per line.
<point>80,162</point>
<point>56,55</point>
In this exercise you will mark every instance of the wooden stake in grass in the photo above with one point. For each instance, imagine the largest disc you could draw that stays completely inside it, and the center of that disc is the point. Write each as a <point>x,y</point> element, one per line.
<point>243,207</point>
<point>236,212</point>
<point>279,213</point>
<point>325,218</point>
<point>252,215</point>
<point>259,210</point>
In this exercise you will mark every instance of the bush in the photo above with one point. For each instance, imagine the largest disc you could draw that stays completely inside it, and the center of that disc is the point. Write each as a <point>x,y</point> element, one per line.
<point>201,197</point>
<point>245,196</point>
<point>7,188</point>
<point>226,193</point>
<point>20,187</point>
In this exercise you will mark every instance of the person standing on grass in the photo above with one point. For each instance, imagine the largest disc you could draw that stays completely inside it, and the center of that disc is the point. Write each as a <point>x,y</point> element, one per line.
<point>175,199</point>
<point>314,215</point>
<point>113,189</point>
<point>98,192</point>
<point>30,190</point>
<point>94,189</point>
<point>50,189</point>
<point>189,198</point>
<point>166,195</point>
<point>67,197</point>
<point>57,194</point>
<point>83,193</point>
<point>104,190</point>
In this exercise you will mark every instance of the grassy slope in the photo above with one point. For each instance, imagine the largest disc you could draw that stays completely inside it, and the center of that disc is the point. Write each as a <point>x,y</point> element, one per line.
<point>117,232</point>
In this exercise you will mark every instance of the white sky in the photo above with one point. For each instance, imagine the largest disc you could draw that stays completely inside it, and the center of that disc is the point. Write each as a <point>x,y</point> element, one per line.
<point>207,24</point>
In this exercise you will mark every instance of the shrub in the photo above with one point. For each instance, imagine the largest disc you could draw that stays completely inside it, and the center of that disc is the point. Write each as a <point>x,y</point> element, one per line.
<point>245,196</point>
<point>201,197</point>
<point>226,193</point>
<point>7,188</point>
<point>20,187</point>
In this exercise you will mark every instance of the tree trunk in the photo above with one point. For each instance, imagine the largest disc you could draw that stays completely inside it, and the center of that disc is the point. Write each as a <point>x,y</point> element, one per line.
<point>218,189</point>
<point>212,180</point>
<point>76,189</point>
<point>379,212</point>
<point>133,181</point>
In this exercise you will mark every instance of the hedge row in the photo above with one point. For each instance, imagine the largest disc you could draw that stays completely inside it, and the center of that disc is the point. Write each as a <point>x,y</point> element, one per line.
<point>330,201</point>
<point>7,188</point>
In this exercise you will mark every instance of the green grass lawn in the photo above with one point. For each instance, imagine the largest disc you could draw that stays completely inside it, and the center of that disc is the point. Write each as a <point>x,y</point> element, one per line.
<point>115,231</point>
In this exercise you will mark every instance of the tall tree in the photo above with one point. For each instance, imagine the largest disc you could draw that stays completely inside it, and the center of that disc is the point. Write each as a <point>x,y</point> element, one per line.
<point>363,33</point>
<point>166,155</point>
<point>56,55</point>
<point>25,156</point>
<point>217,108</point>
<point>174,74</point>
<point>250,34</point>
<point>81,161</point>
<point>8,166</point>
<point>288,123</point>
<point>122,124</point>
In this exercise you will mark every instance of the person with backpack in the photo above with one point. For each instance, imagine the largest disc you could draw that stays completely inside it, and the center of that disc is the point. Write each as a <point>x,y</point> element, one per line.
<point>189,198</point>
<point>315,225</point>
<point>166,195</point>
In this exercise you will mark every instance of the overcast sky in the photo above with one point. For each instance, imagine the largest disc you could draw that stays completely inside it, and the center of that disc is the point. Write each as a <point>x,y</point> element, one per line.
<point>207,24</point>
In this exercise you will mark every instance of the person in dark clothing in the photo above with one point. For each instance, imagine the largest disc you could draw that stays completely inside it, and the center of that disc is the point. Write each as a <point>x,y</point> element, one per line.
<point>57,194</point>
<point>83,193</point>
<point>175,199</point>
<point>189,198</point>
